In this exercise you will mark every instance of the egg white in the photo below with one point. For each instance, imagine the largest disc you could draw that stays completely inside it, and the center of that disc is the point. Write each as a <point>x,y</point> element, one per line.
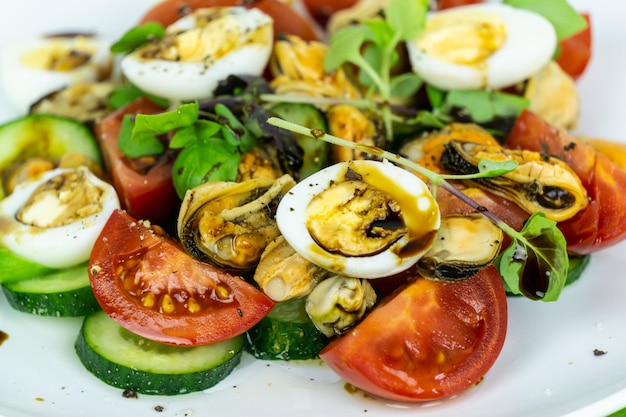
<point>24,85</point>
<point>54,247</point>
<point>530,44</point>
<point>187,81</point>
<point>291,220</point>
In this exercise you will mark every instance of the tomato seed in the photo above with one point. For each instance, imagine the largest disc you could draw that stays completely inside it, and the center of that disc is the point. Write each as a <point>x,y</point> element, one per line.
<point>149,300</point>
<point>193,306</point>
<point>167,304</point>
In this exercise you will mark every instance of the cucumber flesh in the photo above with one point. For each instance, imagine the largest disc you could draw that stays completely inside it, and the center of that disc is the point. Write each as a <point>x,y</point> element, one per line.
<point>60,293</point>
<point>44,135</point>
<point>127,361</point>
<point>286,333</point>
<point>15,268</point>
<point>315,151</point>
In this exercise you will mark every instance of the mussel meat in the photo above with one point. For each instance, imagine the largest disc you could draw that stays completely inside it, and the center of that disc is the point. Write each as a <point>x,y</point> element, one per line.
<point>539,183</point>
<point>464,245</point>
<point>229,224</point>
<point>283,274</point>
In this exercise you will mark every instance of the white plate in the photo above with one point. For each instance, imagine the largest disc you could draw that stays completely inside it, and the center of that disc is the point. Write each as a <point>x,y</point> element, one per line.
<point>547,366</point>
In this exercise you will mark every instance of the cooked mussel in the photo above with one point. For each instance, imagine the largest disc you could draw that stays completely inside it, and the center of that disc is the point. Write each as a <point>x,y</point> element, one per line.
<point>350,123</point>
<point>229,224</point>
<point>539,183</point>
<point>464,245</point>
<point>298,69</point>
<point>283,274</point>
<point>338,303</point>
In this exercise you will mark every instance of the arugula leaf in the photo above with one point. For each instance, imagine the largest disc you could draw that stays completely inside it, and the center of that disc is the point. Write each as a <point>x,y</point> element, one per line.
<point>345,46</point>
<point>565,19</point>
<point>143,137</point>
<point>187,135</point>
<point>484,106</point>
<point>405,85</point>
<point>407,17</point>
<point>202,160</point>
<point>536,263</point>
<point>124,94</point>
<point>137,36</point>
<point>134,147</point>
<point>235,132</point>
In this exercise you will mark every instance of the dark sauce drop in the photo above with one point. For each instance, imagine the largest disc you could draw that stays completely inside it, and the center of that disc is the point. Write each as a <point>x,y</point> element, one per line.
<point>3,337</point>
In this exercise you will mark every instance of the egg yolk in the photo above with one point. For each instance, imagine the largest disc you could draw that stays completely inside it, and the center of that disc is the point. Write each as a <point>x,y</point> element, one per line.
<point>217,32</point>
<point>61,54</point>
<point>464,38</point>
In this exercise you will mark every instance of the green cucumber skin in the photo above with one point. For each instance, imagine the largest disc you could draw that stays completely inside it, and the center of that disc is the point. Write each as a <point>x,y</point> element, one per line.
<point>15,268</point>
<point>129,377</point>
<point>271,339</point>
<point>286,333</point>
<point>74,303</point>
<point>60,293</point>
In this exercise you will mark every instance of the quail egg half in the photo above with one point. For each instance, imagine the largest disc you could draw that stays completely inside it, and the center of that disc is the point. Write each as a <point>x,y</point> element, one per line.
<point>33,68</point>
<point>482,46</point>
<point>361,218</point>
<point>55,220</point>
<point>201,49</point>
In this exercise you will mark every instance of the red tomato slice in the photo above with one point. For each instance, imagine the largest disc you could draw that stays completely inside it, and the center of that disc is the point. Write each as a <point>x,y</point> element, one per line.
<point>147,194</point>
<point>575,51</point>
<point>321,10</point>
<point>447,4</point>
<point>603,222</point>
<point>286,19</point>
<point>438,339</point>
<point>146,282</point>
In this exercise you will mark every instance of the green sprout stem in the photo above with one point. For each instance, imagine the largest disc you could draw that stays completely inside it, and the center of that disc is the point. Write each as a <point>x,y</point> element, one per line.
<point>436,179</point>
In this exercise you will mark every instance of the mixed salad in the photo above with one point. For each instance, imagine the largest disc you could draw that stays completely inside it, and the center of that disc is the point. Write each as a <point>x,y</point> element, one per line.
<point>239,179</point>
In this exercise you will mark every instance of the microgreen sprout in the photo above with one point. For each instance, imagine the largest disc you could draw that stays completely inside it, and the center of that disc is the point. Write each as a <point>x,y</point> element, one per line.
<point>534,265</point>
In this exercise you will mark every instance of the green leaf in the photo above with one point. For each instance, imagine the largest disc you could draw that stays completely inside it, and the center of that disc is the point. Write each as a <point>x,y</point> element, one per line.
<point>436,97</point>
<point>133,146</point>
<point>381,33</point>
<point>234,131</point>
<point>536,263</point>
<point>187,135</point>
<point>345,46</point>
<point>137,36</point>
<point>565,19</point>
<point>147,127</point>
<point>124,94</point>
<point>405,85</point>
<point>488,168</point>
<point>483,106</point>
<point>204,160</point>
<point>407,17</point>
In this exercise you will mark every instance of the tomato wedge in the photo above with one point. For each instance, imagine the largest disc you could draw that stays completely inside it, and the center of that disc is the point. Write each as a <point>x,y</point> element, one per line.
<point>575,51</point>
<point>322,10</point>
<point>286,19</point>
<point>430,340</point>
<point>146,193</point>
<point>603,222</point>
<point>146,282</point>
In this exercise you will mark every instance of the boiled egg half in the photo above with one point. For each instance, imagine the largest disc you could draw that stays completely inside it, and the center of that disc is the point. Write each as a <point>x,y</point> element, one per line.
<point>365,219</point>
<point>33,68</point>
<point>200,50</point>
<point>55,220</point>
<point>481,46</point>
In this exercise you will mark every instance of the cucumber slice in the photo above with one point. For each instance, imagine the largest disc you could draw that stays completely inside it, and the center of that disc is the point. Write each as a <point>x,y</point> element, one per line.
<point>125,360</point>
<point>44,135</point>
<point>61,293</point>
<point>15,268</point>
<point>307,115</point>
<point>577,265</point>
<point>286,333</point>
